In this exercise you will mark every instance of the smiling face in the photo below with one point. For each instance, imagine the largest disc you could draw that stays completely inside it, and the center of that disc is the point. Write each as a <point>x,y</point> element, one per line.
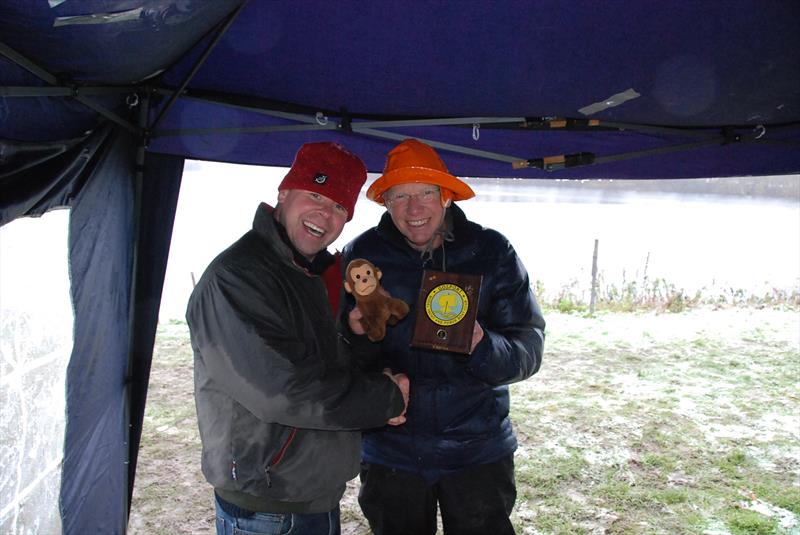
<point>417,212</point>
<point>312,221</point>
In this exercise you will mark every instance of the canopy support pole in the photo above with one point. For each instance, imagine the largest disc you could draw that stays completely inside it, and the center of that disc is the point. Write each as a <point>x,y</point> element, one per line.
<point>199,63</point>
<point>138,179</point>
<point>61,91</point>
<point>374,128</point>
<point>436,144</point>
<point>550,163</point>
<point>37,71</point>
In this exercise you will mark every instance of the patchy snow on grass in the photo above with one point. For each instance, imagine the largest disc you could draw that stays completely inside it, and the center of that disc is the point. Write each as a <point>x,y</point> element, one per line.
<point>634,423</point>
<point>655,403</point>
<point>787,520</point>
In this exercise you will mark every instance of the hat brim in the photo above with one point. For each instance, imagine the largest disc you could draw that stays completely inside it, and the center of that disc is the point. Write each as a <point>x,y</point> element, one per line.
<point>419,175</point>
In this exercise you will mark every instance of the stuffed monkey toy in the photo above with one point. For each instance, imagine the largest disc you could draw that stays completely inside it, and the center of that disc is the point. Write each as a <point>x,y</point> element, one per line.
<point>362,279</point>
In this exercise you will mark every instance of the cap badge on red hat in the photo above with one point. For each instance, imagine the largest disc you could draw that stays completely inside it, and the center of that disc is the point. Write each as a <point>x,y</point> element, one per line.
<point>320,178</point>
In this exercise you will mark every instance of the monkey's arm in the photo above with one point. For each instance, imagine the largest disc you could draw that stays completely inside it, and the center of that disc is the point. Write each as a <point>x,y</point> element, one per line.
<point>399,310</point>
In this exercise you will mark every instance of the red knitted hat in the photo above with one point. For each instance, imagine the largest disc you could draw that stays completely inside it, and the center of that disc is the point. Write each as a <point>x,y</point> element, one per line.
<point>329,169</point>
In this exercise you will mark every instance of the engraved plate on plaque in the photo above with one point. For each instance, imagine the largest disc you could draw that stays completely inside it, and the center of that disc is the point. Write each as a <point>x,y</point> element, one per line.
<point>446,311</point>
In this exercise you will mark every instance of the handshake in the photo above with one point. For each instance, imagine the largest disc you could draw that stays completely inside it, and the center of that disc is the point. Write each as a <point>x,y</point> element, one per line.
<point>401,380</point>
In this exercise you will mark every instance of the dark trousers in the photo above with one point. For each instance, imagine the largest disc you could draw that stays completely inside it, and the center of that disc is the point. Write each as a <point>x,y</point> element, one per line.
<point>477,500</point>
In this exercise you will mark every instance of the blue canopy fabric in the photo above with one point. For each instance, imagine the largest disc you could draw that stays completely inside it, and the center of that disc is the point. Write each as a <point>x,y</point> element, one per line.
<point>639,89</point>
<point>102,100</point>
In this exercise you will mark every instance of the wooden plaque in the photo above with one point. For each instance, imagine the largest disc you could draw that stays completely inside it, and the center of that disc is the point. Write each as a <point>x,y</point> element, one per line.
<point>446,311</point>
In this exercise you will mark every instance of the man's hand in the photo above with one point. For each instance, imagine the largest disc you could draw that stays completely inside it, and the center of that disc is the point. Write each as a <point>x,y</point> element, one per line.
<point>401,380</point>
<point>477,336</point>
<point>354,320</point>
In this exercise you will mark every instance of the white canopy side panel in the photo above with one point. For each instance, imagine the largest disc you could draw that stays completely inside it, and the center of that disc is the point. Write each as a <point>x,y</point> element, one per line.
<point>36,322</point>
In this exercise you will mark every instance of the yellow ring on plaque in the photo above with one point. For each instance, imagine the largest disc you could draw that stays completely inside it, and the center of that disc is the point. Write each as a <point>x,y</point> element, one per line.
<point>447,304</point>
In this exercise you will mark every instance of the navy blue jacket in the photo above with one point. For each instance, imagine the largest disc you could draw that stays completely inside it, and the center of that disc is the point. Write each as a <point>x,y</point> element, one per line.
<point>458,410</point>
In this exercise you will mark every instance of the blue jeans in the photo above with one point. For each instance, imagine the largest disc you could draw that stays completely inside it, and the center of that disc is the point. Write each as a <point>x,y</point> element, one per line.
<point>279,523</point>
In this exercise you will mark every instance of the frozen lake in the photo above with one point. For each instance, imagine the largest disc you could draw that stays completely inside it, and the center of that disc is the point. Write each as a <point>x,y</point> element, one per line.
<point>692,241</point>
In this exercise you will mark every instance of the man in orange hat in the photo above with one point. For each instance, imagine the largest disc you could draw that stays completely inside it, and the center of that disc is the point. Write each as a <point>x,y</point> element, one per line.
<point>278,406</point>
<point>456,449</point>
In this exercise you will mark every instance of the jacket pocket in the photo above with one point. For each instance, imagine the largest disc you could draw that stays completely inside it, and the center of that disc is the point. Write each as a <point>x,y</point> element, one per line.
<point>287,436</point>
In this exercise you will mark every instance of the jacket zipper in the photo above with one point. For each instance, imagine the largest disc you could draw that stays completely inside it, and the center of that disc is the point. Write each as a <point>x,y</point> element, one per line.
<point>279,456</point>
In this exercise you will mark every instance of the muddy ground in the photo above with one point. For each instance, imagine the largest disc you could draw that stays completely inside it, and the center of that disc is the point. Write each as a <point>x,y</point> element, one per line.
<point>637,423</point>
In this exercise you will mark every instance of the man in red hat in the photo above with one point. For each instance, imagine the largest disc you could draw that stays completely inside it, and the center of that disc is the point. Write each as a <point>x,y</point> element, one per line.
<point>456,450</point>
<point>278,406</point>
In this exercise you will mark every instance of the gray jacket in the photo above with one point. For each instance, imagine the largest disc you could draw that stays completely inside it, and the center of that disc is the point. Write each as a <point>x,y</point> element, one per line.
<point>278,406</point>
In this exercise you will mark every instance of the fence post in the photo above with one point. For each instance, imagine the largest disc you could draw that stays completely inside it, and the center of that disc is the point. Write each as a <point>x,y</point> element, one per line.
<point>593,298</point>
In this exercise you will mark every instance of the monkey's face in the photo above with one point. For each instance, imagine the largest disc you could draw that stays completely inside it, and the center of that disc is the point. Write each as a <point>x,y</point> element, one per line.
<point>365,279</point>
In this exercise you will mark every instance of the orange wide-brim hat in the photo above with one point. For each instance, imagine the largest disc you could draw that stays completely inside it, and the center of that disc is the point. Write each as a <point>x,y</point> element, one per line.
<point>414,161</point>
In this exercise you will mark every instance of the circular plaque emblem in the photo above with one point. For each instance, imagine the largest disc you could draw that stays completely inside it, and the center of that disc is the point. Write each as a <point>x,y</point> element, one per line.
<point>447,304</point>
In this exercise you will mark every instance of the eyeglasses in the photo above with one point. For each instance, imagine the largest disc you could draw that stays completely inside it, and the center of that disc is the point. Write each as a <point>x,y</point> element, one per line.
<point>426,196</point>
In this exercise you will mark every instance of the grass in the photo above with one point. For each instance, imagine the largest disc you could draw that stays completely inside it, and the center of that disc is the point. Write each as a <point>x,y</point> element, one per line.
<point>648,422</point>
<point>655,294</point>
<point>662,426</point>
